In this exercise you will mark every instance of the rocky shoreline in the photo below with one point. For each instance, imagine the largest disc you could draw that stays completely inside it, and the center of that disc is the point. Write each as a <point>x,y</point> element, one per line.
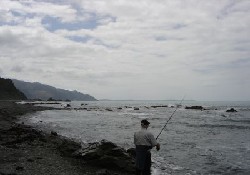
<point>27,151</point>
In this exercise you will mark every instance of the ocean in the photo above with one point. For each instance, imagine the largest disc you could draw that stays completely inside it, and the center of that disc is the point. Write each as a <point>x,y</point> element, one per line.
<point>210,141</point>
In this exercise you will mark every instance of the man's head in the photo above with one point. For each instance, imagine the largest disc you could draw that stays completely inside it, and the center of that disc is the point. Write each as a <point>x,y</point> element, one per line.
<point>145,123</point>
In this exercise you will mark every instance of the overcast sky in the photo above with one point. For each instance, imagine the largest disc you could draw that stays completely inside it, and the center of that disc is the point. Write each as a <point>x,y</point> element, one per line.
<point>130,49</point>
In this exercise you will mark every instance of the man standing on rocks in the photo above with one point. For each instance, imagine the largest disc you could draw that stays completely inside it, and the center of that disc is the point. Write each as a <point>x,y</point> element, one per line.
<point>144,142</point>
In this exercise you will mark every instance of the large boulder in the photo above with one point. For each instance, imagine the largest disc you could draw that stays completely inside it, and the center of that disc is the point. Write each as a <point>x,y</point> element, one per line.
<point>107,155</point>
<point>66,146</point>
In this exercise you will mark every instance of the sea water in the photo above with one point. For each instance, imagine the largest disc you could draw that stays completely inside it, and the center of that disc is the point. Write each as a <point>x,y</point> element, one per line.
<point>210,141</point>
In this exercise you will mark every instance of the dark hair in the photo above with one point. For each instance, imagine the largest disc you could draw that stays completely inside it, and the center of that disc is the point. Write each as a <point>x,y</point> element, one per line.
<point>145,122</point>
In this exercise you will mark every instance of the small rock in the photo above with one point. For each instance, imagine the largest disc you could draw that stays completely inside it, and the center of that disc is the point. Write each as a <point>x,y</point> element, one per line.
<point>102,172</point>
<point>19,168</point>
<point>68,105</point>
<point>30,160</point>
<point>53,133</point>
<point>108,109</point>
<point>136,108</point>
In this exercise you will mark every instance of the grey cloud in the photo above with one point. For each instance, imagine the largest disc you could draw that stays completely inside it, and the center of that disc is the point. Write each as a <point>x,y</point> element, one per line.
<point>17,69</point>
<point>8,39</point>
<point>168,38</point>
<point>216,68</point>
<point>175,45</point>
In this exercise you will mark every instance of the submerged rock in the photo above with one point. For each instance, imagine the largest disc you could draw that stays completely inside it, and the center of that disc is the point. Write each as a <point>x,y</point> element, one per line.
<point>107,155</point>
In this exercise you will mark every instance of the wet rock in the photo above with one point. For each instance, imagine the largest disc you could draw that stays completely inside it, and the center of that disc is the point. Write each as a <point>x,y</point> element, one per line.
<point>108,109</point>
<point>19,134</point>
<point>160,106</point>
<point>119,108</point>
<point>68,105</point>
<point>194,107</point>
<point>107,155</point>
<point>131,152</point>
<point>19,168</point>
<point>136,108</point>
<point>103,172</point>
<point>7,173</point>
<point>51,99</point>
<point>67,147</point>
<point>30,160</point>
<point>231,110</point>
<point>53,133</point>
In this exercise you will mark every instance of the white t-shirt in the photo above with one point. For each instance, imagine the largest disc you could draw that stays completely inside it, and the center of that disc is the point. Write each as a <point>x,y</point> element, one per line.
<point>144,137</point>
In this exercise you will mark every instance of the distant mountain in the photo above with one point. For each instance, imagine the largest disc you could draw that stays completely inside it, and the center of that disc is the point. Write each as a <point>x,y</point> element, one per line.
<point>9,92</point>
<point>44,92</point>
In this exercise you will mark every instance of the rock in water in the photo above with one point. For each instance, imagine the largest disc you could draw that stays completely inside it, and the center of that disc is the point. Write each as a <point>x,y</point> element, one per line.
<point>194,107</point>
<point>107,155</point>
<point>231,110</point>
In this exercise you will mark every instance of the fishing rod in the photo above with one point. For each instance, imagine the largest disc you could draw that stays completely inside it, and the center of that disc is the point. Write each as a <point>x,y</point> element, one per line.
<point>170,118</point>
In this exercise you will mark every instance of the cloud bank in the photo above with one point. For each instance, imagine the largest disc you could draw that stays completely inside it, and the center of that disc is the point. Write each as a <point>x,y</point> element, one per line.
<point>130,49</point>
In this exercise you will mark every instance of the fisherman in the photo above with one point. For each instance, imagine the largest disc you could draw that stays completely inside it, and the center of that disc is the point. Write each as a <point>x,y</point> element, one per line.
<point>144,142</point>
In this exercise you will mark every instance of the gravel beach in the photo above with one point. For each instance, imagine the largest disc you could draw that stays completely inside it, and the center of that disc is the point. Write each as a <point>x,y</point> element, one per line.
<point>26,151</point>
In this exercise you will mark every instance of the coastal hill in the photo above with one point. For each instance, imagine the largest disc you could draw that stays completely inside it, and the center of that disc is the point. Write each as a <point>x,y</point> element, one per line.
<point>44,92</point>
<point>9,92</point>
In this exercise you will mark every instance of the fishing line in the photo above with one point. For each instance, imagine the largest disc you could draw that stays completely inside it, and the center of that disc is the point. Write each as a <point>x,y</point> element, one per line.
<point>170,118</point>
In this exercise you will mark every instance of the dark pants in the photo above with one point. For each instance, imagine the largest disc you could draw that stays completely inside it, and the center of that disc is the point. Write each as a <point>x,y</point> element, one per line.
<point>143,160</point>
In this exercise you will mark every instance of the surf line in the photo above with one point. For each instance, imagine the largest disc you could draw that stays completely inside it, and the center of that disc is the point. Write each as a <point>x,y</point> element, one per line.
<point>170,118</point>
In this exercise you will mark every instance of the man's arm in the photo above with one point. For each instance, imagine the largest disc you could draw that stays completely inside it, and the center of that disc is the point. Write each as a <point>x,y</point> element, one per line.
<point>158,146</point>
<point>153,141</point>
